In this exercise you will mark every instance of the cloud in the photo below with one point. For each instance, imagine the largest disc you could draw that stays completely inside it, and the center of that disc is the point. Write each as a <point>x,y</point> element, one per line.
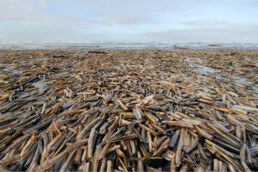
<point>43,12</point>
<point>128,20</point>
<point>3,35</point>
<point>21,9</point>
<point>206,23</point>
<point>229,34</point>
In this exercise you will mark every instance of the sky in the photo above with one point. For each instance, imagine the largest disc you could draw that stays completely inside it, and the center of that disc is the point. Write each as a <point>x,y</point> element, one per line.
<point>129,21</point>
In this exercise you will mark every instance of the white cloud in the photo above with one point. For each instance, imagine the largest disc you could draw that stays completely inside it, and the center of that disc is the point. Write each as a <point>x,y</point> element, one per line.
<point>3,35</point>
<point>20,9</point>
<point>168,20</point>
<point>228,34</point>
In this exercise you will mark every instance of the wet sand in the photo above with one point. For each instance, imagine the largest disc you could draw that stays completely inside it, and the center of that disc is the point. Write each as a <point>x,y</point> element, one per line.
<point>157,95</point>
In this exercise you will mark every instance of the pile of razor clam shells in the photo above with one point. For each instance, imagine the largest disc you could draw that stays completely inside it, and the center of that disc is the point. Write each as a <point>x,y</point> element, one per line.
<point>128,110</point>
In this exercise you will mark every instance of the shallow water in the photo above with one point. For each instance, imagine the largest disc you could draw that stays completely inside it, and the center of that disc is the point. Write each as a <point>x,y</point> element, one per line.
<point>200,68</point>
<point>194,59</point>
<point>240,80</point>
<point>204,69</point>
<point>40,85</point>
<point>196,62</point>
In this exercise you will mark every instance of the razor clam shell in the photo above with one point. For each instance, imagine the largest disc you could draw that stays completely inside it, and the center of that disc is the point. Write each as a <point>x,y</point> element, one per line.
<point>123,110</point>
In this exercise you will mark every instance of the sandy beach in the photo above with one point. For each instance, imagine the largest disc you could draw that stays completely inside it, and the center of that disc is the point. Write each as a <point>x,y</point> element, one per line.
<point>128,110</point>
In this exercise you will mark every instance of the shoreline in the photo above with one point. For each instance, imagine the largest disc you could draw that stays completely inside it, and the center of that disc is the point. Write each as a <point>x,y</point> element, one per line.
<point>126,45</point>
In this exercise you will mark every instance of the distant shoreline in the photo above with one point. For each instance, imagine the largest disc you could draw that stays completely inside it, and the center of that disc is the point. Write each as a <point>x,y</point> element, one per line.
<point>125,45</point>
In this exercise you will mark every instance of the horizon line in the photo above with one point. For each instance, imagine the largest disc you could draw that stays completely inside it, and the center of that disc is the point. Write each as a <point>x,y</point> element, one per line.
<point>130,42</point>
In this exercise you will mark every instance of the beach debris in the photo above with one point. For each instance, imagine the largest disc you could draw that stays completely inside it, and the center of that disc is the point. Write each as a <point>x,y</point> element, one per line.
<point>128,110</point>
